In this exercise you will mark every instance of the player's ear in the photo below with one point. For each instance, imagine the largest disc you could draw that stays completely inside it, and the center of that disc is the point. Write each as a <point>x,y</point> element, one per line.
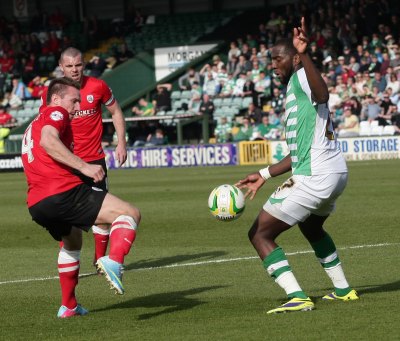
<point>296,60</point>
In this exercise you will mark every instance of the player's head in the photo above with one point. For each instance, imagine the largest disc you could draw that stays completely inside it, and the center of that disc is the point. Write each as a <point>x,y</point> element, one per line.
<point>64,92</point>
<point>285,60</point>
<point>71,63</point>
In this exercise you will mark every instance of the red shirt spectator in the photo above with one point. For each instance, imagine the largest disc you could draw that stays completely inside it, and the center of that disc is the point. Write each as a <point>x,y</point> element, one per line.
<point>5,117</point>
<point>6,62</point>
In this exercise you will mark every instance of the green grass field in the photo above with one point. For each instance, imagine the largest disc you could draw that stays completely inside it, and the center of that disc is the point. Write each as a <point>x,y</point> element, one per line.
<point>190,277</point>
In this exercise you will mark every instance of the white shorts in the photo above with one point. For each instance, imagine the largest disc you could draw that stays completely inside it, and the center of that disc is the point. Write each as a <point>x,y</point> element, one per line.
<point>300,196</point>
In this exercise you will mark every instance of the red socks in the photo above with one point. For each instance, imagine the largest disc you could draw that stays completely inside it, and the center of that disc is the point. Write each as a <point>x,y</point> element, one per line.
<point>122,236</point>
<point>68,271</point>
<point>101,238</point>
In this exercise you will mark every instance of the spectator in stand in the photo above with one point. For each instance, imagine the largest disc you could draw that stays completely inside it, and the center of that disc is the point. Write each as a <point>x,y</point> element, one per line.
<point>19,89</point>
<point>347,54</point>
<point>5,117</point>
<point>36,86</point>
<point>6,62</point>
<point>96,65</point>
<point>162,99</point>
<point>206,106</point>
<point>375,65</point>
<point>123,53</point>
<point>379,81</point>
<point>263,130</point>
<point>144,108</point>
<point>154,139</point>
<point>216,61</point>
<point>249,88</point>
<point>223,130</point>
<point>370,110</point>
<point>232,64</point>
<point>263,88</point>
<point>316,55</point>
<point>186,81</point>
<point>31,67</point>
<point>244,65</point>
<point>4,132</point>
<point>388,108</point>
<point>234,51</point>
<point>244,131</point>
<point>393,83</point>
<point>277,100</point>
<point>210,84</point>
<point>245,51</point>
<point>239,85</point>
<point>350,126</point>
<point>195,98</point>
<point>253,113</point>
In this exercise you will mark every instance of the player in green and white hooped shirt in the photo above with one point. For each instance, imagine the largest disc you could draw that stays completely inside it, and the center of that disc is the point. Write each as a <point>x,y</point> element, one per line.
<point>319,177</point>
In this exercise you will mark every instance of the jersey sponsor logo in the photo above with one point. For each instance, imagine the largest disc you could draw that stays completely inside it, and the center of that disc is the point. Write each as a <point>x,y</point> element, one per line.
<point>56,116</point>
<point>83,113</point>
<point>90,98</point>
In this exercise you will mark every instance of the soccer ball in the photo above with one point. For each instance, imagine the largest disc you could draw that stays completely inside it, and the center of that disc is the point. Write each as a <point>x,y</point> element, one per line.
<point>226,202</point>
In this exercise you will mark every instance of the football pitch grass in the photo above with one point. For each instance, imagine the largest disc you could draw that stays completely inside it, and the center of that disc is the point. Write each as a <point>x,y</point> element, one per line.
<point>190,277</point>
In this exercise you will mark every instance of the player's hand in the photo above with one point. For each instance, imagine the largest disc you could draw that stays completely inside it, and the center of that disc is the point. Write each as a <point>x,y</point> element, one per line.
<point>96,172</point>
<point>120,154</point>
<point>300,39</point>
<point>252,183</point>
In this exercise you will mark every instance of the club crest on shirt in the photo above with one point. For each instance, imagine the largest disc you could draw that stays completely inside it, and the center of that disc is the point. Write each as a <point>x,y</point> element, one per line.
<point>56,116</point>
<point>90,98</point>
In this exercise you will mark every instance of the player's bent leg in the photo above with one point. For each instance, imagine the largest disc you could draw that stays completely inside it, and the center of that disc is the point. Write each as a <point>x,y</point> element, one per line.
<point>113,207</point>
<point>262,235</point>
<point>124,218</point>
<point>325,251</point>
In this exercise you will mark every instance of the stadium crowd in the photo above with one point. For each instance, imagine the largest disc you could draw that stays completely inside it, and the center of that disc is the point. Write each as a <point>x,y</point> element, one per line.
<point>355,44</point>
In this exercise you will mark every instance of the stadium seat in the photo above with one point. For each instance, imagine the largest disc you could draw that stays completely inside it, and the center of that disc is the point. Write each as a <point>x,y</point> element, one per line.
<point>376,130</point>
<point>237,102</point>
<point>226,102</point>
<point>246,101</point>
<point>176,104</point>
<point>388,130</point>
<point>160,113</point>
<point>175,95</point>
<point>365,128</point>
<point>187,94</point>
<point>217,102</point>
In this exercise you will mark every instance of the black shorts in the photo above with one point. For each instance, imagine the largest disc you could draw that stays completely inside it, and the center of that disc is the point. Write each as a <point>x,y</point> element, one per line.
<point>103,184</point>
<point>78,207</point>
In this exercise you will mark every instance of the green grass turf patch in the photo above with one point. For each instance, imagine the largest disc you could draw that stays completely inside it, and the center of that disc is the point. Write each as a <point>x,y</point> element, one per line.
<point>190,277</point>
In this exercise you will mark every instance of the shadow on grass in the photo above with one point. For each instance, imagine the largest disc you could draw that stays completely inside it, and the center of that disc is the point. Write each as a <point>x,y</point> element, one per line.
<point>367,289</point>
<point>170,302</point>
<point>159,262</point>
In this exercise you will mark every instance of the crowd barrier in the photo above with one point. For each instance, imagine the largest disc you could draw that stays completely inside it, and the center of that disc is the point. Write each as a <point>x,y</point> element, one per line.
<point>242,153</point>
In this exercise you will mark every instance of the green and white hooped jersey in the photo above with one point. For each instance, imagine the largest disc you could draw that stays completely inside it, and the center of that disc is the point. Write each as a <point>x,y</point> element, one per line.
<point>310,137</point>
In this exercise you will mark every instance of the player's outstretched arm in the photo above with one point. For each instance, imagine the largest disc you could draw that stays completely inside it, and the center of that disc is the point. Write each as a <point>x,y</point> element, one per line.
<point>52,144</point>
<point>119,124</point>
<point>318,86</point>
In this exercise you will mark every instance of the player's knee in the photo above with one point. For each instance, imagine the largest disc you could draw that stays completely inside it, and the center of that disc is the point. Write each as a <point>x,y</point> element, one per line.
<point>133,212</point>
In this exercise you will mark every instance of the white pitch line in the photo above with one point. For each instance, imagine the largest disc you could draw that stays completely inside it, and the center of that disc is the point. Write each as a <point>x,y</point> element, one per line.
<point>215,261</point>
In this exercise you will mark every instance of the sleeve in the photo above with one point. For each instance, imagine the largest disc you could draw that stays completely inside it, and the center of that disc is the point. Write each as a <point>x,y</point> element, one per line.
<point>301,74</point>
<point>107,97</point>
<point>56,118</point>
